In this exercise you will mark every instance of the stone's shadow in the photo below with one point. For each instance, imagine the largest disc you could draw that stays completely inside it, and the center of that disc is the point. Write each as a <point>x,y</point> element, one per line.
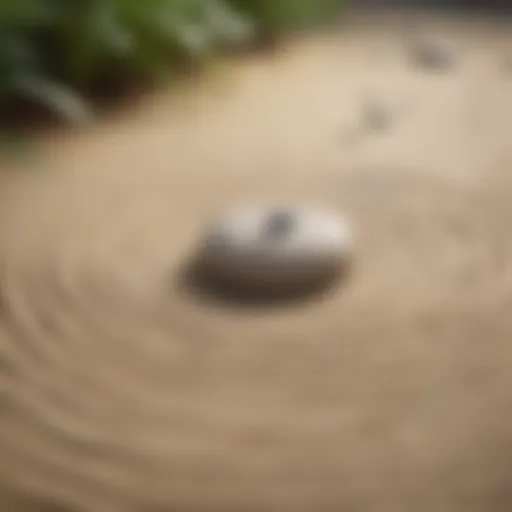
<point>192,280</point>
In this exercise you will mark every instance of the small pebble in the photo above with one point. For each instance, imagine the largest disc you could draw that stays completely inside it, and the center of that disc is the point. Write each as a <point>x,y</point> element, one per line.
<point>377,116</point>
<point>432,53</point>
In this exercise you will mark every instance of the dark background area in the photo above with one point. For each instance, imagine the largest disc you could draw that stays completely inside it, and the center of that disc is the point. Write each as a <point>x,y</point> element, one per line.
<point>473,4</point>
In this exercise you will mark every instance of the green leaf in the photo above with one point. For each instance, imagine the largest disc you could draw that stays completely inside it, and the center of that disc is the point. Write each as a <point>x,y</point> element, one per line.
<point>228,24</point>
<point>53,96</point>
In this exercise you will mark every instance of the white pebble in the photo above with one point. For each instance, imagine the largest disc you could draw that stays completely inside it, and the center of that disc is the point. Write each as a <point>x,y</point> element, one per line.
<point>276,246</point>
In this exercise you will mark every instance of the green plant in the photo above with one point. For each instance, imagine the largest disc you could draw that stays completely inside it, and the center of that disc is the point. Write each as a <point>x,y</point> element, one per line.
<point>143,36</point>
<point>25,64</point>
<point>50,49</point>
<point>275,15</point>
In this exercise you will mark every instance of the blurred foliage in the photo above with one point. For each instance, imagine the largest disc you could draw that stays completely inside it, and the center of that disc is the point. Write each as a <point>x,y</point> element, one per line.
<point>276,15</point>
<point>51,49</point>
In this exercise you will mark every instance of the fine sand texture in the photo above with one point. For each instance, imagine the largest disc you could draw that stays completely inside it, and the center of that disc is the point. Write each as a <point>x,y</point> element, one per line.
<point>122,390</point>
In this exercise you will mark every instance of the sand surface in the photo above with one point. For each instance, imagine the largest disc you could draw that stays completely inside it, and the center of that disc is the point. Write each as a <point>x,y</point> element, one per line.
<point>121,393</point>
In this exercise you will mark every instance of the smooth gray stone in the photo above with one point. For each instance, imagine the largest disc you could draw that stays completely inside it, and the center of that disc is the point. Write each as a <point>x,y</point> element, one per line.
<point>276,246</point>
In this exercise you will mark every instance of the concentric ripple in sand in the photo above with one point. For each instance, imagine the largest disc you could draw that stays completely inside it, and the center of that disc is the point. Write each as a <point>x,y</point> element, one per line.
<point>120,394</point>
